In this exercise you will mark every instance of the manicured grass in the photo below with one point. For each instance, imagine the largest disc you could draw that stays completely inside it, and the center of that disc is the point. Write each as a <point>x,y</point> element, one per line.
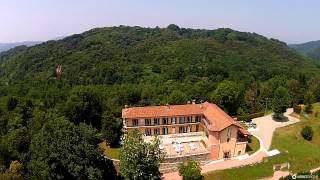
<point>301,154</point>
<point>253,145</point>
<point>243,173</point>
<point>112,153</point>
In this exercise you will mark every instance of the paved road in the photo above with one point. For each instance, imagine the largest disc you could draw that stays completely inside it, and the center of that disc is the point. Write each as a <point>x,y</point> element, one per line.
<point>266,126</point>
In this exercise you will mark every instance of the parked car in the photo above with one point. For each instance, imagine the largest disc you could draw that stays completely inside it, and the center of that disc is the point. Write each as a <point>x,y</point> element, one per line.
<point>253,125</point>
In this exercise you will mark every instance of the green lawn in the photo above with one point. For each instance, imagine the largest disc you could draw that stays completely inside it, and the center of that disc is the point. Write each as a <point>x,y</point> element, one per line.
<point>301,154</point>
<point>253,145</point>
<point>112,153</point>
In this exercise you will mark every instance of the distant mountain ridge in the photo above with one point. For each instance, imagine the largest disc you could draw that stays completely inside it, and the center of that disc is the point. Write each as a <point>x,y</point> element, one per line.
<point>310,49</point>
<point>7,46</point>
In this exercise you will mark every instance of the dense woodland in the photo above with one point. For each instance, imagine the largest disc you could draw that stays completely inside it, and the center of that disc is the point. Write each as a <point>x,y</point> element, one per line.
<point>51,124</point>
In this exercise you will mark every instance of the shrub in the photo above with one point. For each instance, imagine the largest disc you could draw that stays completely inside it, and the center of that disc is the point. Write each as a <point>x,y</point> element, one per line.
<point>297,109</point>
<point>307,133</point>
<point>308,108</point>
<point>190,171</point>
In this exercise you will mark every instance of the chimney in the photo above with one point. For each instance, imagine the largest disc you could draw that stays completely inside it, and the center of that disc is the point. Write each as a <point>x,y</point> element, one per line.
<point>126,106</point>
<point>168,106</point>
<point>194,101</point>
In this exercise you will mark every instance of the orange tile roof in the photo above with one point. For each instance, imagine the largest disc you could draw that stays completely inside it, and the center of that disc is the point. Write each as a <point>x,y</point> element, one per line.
<point>218,119</point>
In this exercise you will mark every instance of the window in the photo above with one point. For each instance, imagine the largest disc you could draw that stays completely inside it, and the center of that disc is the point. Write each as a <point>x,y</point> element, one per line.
<point>189,119</point>
<point>180,129</point>
<point>148,132</point>
<point>198,118</point>
<point>164,120</point>
<point>173,120</point>
<point>156,121</point>
<point>228,139</point>
<point>226,154</point>
<point>197,127</point>
<point>229,133</point>
<point>147,122</point>
<point>135,122</point>
<point>157,131</point>
<point>181,120</point>
<point>183,129</point>
<point>189,129</point>
<point>165,130</point>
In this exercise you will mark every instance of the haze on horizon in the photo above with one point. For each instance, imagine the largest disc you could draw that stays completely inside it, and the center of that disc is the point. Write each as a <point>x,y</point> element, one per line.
<point>292,21</point>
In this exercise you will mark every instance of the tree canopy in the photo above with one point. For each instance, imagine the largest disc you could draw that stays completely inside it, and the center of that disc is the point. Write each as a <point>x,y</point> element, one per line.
<point>138,159</point>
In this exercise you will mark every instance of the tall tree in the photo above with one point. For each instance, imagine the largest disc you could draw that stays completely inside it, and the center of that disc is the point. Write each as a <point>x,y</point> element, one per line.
<point>138,159</point>
<point>281,101</point>
<point>62,150</point>
<point>228,96</point>
<point>111,129</point>
<point>85,105</point>
<point>177,97</point>
<point>190,171</point>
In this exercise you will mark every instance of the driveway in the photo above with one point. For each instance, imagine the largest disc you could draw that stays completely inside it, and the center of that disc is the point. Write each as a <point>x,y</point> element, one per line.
<point>266,125</point>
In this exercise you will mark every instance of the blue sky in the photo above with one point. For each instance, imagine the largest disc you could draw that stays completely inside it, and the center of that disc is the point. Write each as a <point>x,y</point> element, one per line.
<point>292,21</point>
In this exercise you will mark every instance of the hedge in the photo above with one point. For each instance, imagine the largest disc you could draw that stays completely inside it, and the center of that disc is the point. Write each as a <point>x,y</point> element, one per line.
<point>250,116</point>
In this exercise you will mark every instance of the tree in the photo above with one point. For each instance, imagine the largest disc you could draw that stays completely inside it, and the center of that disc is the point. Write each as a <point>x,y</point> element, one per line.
<point>62,150</point>
<point>85,105</point>
<point>12,103</point>
<point>227,95</point>
<point>309,98</point>
<point>138,159</point>
<point>190,171</point>
<point>280,102</point>
<point>177,97</point>
<point>111,129</point>
<point>307,133</point>
<point>251,98</point>
<point>294,90</point>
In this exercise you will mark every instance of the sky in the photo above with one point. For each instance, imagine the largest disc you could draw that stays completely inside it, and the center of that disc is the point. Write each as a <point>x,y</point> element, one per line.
<point>291,21</point>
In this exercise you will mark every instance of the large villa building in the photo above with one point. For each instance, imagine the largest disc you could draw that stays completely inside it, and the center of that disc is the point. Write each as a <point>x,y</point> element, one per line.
<point>189,129</point>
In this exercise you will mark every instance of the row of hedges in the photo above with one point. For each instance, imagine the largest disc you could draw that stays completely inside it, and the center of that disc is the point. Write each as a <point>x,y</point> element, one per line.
<point>250,116</point>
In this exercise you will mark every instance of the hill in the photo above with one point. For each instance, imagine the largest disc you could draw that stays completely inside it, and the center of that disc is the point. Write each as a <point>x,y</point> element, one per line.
<point>7,46</point>
<point>142,66</point>
<point>310,49</point>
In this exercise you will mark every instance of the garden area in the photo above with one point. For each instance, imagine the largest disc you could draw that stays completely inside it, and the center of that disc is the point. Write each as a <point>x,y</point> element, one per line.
<point>112,153</point>
<point>302,154</point>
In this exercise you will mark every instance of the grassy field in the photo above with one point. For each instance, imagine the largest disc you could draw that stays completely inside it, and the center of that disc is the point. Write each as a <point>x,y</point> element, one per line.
<point>112,153</point>
<point>301,154</point>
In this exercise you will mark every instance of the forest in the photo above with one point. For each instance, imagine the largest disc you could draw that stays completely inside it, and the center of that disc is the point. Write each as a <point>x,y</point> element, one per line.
<point>51,123</point>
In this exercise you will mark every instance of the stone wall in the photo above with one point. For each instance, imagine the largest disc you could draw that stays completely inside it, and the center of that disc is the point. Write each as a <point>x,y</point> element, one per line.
<point>171,164</point>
